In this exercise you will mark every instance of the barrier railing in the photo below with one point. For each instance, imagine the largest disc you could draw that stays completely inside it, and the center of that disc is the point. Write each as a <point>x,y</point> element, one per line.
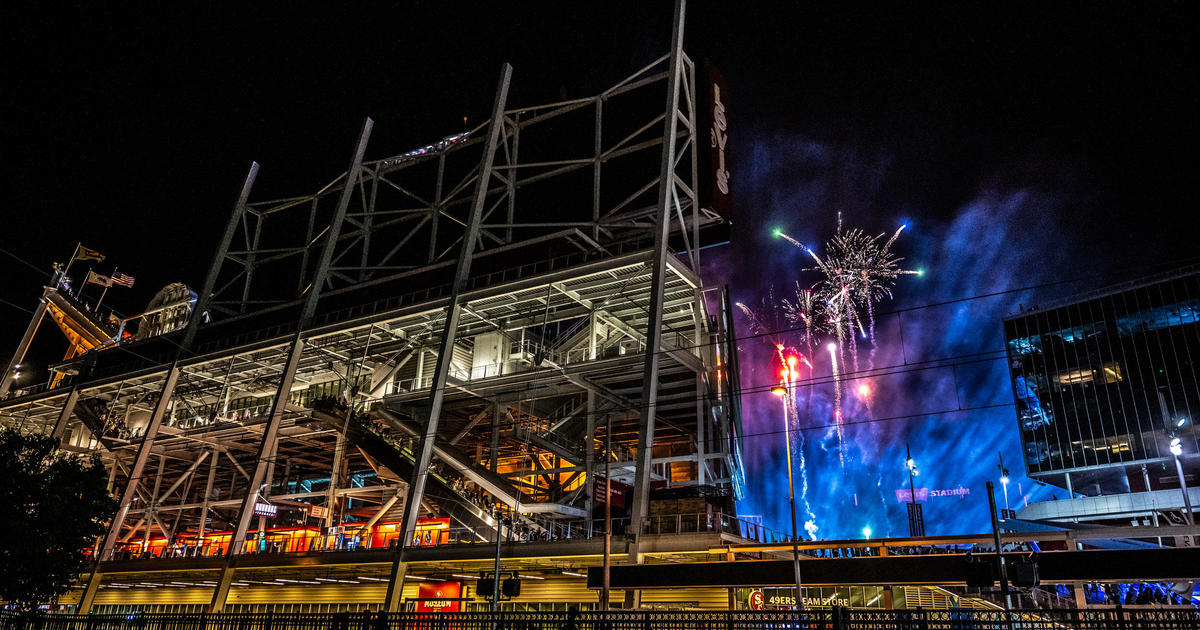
<point>824,618</point>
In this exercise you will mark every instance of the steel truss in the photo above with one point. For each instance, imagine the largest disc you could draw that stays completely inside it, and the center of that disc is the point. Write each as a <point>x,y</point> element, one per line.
<point>482,309</point>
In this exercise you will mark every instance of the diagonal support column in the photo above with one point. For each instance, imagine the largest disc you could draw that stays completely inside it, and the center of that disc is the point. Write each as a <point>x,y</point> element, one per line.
<point>18,356</point>
<point>139,460</point>
<point>168,389</point>
<point>287,378</point>
<point>416,488</point>
<point>666,196</point>
<point>64,414</point>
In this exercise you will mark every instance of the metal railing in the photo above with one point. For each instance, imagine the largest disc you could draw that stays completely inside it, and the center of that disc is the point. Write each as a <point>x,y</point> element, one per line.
<point>825,618</point>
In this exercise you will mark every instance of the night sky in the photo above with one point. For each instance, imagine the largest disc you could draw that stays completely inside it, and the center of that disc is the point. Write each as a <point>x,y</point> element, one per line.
<point>1021,144</point>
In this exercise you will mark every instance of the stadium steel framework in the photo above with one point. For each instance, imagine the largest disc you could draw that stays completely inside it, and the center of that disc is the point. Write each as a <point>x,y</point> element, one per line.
<point>452,331</point>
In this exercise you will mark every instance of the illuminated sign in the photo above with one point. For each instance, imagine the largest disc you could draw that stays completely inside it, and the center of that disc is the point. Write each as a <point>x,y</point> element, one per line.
<point>439,596</point>
<point>756,600</point>
<point>903,495</point>
<point>318,511</point>
<point>265,509</point>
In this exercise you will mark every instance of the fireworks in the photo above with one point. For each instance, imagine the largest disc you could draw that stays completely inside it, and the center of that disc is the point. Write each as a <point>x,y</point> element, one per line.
<point>857,271</point>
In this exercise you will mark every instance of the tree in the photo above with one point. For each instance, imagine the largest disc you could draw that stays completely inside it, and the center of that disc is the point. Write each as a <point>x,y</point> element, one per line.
<point>56,505</point>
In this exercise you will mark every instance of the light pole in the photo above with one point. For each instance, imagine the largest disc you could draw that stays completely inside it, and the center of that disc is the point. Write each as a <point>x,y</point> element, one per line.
<point>1003,480</point>
<point>1175,445</point>
<point>1176,448</point>
<point>916,525</point>
<point>782,392</point>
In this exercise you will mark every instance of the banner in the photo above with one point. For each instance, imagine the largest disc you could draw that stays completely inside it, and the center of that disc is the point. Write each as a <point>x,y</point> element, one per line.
<point>718,166</point>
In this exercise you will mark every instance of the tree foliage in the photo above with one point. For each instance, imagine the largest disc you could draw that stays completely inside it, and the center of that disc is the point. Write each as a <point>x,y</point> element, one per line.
<point>56,504</point>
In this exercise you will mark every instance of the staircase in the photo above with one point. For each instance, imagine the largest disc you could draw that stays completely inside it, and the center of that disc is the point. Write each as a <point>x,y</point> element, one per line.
<point>401,461</point>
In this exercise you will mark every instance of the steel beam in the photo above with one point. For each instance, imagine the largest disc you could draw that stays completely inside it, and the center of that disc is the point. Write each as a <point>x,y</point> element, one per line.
<point>64,414</point>
<point>416,488</point>
<point>204,298</point>
<point>19,355</point>
<point>666,197</point>
<point>295,351</point>
<point>139,461</point>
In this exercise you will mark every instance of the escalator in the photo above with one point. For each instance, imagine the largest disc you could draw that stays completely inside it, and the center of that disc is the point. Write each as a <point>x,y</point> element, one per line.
<point>91,412</point>
<point>401,462</point>
<point>499,487</point>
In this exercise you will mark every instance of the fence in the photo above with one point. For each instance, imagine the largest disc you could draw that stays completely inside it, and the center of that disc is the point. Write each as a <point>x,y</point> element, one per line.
<point>831,619</point>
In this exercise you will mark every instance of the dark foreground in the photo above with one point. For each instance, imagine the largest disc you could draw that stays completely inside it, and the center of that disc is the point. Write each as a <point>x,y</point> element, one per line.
<point>827,619</point>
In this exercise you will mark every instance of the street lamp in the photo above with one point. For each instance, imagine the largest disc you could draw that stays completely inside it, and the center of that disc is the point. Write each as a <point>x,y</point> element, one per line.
<point>916,526</point>
<point>782,392</point>
<point>1176,447</point>
<point>1003,479</point>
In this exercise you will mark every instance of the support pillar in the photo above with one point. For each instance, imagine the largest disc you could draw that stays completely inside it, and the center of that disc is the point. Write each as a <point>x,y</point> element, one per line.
<point>416,487</point>
<point>589,459</point>
<point>287,378</point>
<point>666,199</point>
<point>139,461</point>
<point>500,411</point>
<point>89,593</point>
<point>208,487</point>
<point>395,590</point>
<point>64,414</point>
<point>19,355</point>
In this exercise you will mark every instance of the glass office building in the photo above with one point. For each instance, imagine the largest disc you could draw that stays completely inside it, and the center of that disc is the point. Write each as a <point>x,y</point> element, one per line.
<point>1104,383</point>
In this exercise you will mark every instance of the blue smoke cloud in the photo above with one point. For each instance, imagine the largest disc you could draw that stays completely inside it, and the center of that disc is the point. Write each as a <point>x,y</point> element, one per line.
<point>998,237</point>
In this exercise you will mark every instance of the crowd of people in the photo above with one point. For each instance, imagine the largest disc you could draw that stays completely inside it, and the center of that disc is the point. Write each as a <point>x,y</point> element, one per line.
<point>1135,594</point>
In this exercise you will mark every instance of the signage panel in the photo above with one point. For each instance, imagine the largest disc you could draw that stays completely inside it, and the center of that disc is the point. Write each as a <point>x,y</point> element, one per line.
<point>439,596</point>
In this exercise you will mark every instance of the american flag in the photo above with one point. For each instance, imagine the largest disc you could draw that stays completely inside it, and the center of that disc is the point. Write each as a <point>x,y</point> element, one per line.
<point>122,279</point>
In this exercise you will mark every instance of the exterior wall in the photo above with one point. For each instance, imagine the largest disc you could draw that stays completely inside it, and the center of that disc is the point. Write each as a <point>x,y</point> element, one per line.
<point>1102,382</point>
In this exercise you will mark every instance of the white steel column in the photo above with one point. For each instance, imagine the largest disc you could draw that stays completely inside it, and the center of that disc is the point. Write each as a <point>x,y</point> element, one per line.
<point>19,355</point>
<point>416,488</point>
<point>666,199</point>
<point>287,378</point>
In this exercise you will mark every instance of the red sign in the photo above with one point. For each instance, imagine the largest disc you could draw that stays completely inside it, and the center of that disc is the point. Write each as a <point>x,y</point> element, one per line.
<point>619,492</point>
<point>439,596</point>
<point>756,600</point>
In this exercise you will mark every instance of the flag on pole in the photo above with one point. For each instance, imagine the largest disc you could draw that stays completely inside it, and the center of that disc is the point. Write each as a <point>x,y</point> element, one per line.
<point>84,253</point>
<point>122,279</point>
<point>95,278</point>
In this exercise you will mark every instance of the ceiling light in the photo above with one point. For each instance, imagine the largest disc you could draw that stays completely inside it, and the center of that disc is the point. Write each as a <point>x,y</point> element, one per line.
<point>574,574</point>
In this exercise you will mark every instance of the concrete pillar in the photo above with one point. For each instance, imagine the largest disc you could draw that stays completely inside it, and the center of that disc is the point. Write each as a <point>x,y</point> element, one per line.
<point>89,593</point>
<point>395,591</point>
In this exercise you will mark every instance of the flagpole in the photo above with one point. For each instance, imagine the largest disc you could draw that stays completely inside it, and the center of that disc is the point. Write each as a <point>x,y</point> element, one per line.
<point>106,288</point>
<point>72,261</point>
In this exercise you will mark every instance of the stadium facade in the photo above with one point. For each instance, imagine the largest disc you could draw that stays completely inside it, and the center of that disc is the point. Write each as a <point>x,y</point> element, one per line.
<point>1107,392</point>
